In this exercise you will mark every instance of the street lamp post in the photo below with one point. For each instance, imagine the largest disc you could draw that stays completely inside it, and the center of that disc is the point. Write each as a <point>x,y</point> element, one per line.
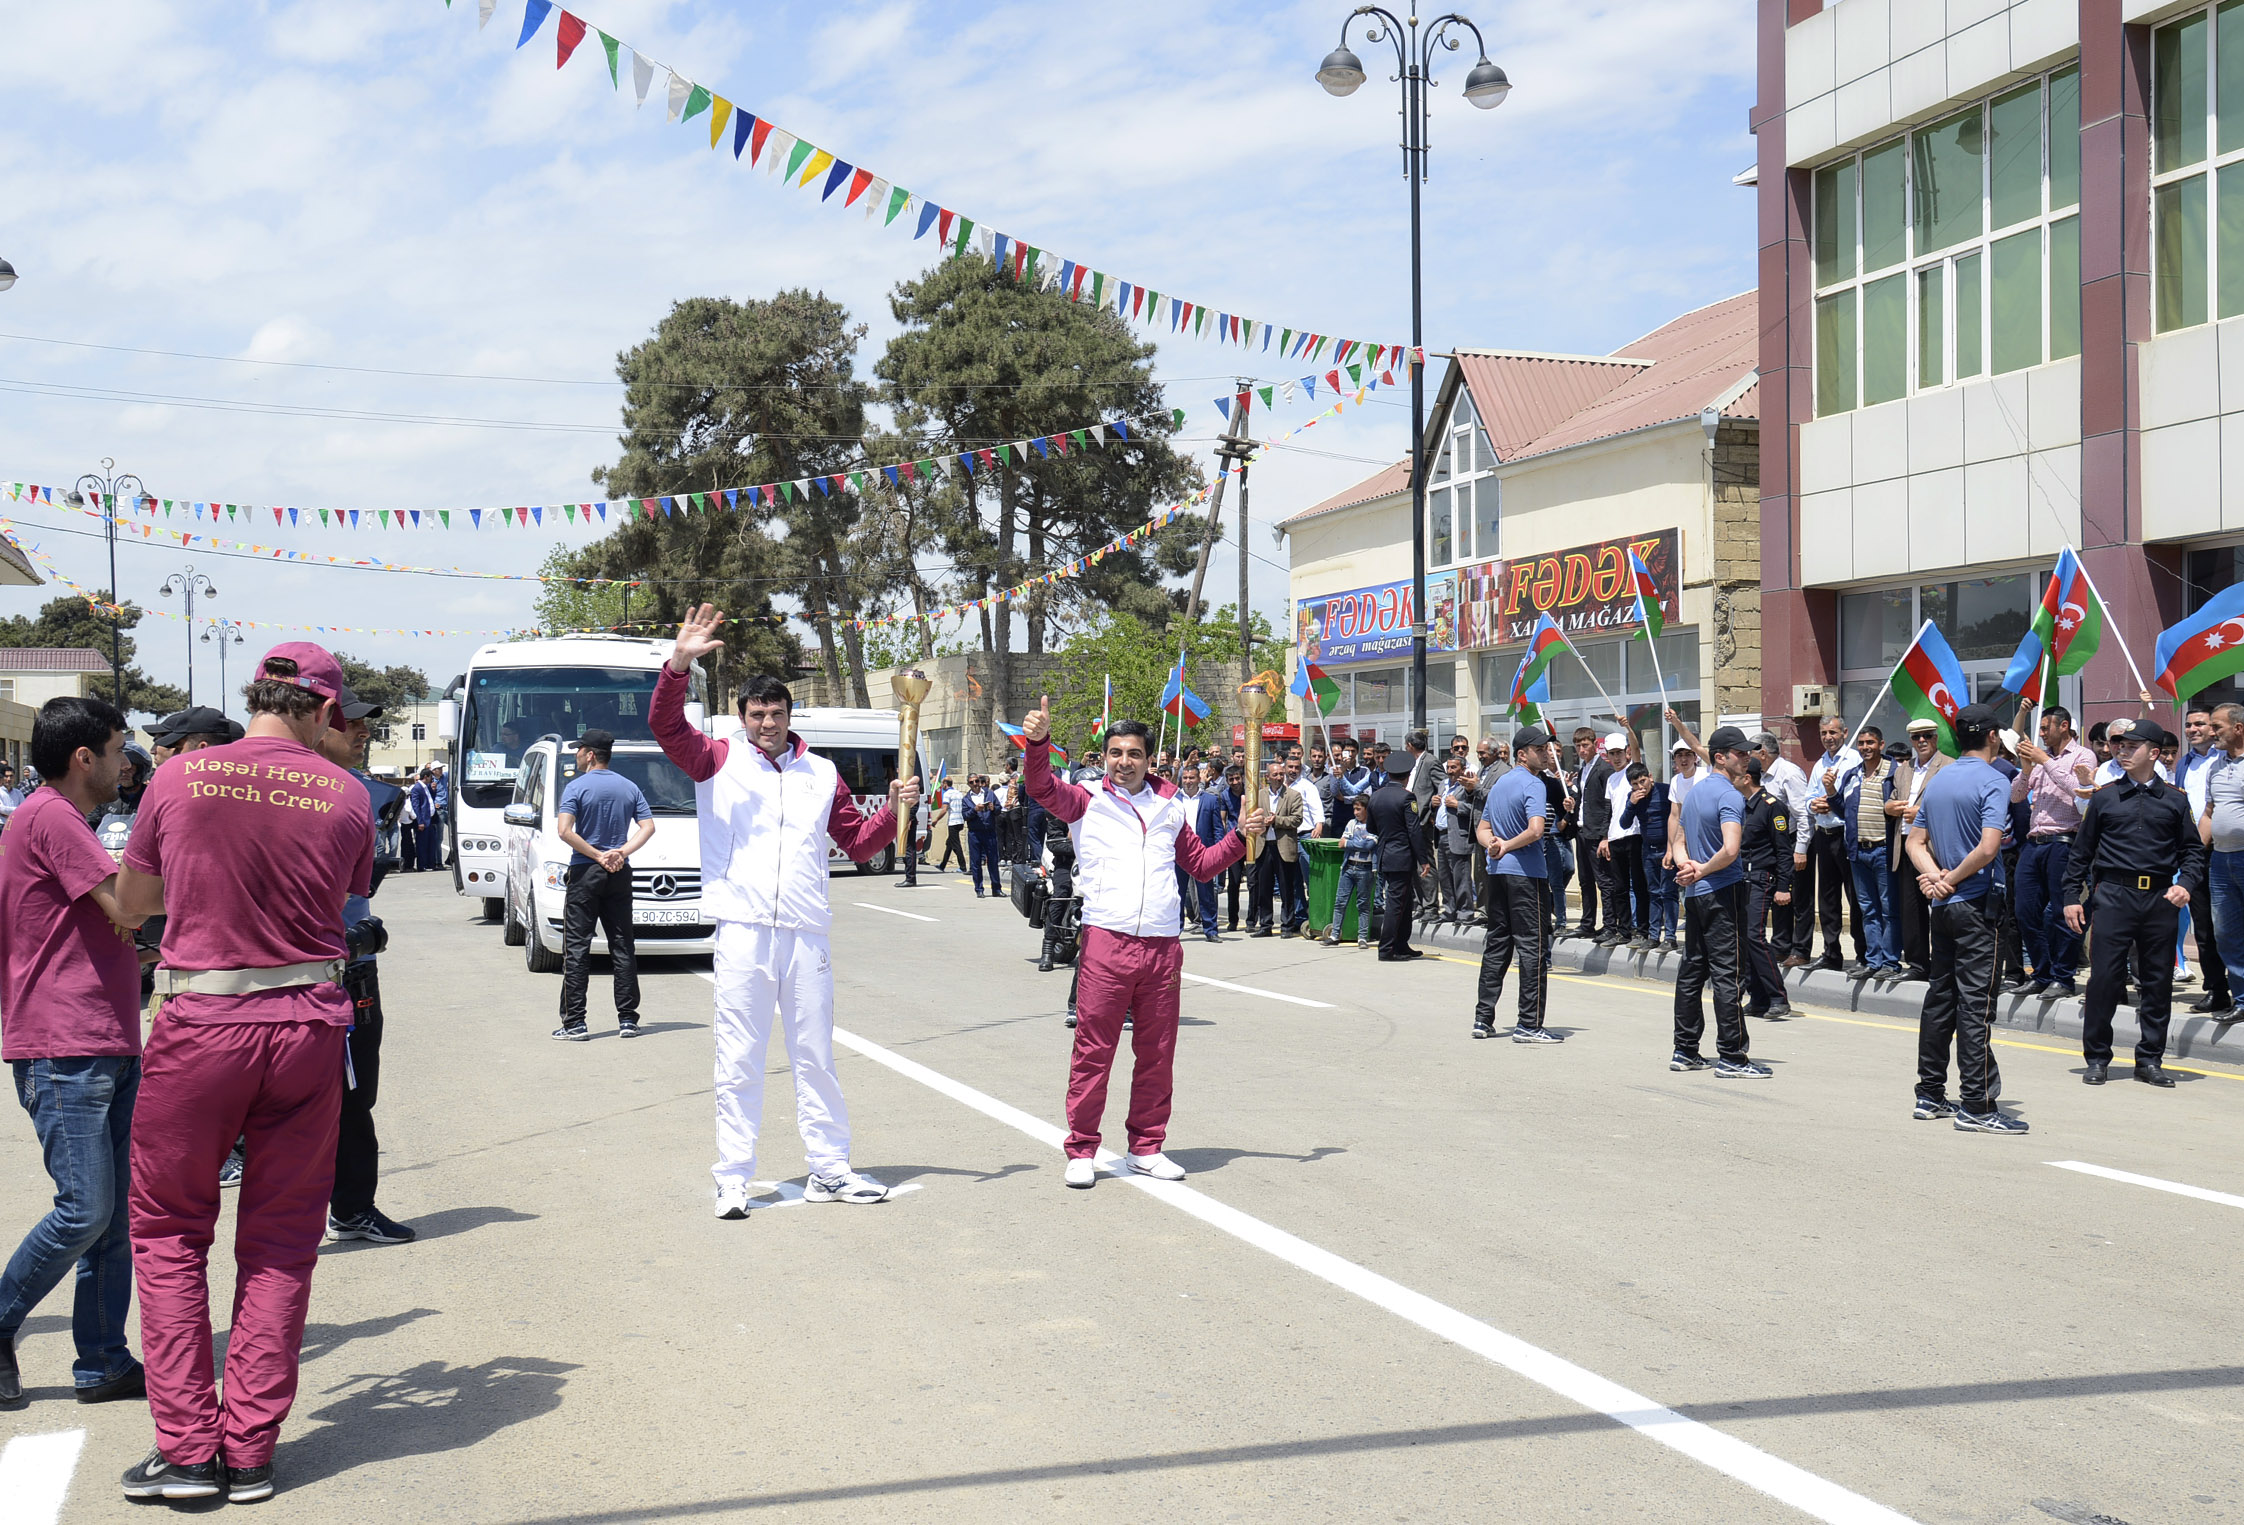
<point>222,633</point>
<point>7,275</point>
<point>191,582</point>
<point>105,490</point>
<point>1485,86</point>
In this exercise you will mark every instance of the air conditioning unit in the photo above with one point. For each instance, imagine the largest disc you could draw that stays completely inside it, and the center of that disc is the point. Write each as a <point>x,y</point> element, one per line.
<point>1814,699</point>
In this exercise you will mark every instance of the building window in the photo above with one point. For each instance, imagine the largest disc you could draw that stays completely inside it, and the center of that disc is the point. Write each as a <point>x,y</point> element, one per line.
<point>1983,620</point>
<point>8,689</point>
<point>2197,168</point>
<point>1954,251</point>
<point>1462,494</point>
<point>421,732</point>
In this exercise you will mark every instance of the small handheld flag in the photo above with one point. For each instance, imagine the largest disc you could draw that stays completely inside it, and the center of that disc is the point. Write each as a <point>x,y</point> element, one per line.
<point>1180,701</point>
<point>1019,738</point>
<point>2205,648</point>
<point>1313,685</point>
<point>1649,619</point>
<point>1529,695</point>
<point>1929,684</point>
<point>1544,642</point>
<point>2068,627</point>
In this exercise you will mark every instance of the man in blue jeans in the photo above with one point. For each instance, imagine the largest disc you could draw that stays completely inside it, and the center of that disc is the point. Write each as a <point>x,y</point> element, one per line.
<point>2222,827</point>
<point>1865,795</point>
<point>70,1032</point>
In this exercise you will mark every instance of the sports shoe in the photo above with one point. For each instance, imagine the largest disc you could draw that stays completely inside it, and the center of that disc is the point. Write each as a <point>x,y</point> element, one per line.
<point>155,1478</point>
<point>247,1485</point>
<point>1071,1019</point>
<point>1780,1012</point>
<point>1930,1109</point>
<point>732,1199</point>
<point>1683,1061</point>
<point>1667,945</point>
<point>573,1032</point>
<point>1483,1030</point>
<point>371,1225</point>
<point>1741,1069</point>
<point>627,1029</point>
<point>849,1186</point>
<point>1081,1173</point>
<point>230,1173</point>
<point>1157,1165</point>
<point>1536,1035</point>
<point>1988,1122</point>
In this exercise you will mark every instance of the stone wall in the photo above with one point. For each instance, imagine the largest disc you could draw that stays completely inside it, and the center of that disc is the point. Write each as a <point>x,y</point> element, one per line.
<point>1737,569</point>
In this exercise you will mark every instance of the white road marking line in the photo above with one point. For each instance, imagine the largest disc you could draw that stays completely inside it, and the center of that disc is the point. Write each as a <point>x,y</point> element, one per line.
<point>2153,1182</point>
<point>35,1472</point>
<point>1733,1458</point>
<point>1272,995</point>
<point>890,910</point>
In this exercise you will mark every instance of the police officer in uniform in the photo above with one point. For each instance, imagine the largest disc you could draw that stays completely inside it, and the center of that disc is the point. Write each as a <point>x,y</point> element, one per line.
<point>2136,863</point>
<point>1765,848</point>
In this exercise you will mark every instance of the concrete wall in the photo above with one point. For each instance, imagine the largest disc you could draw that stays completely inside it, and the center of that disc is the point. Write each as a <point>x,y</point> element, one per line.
<point>2193,422</point>
<point>1626,486</point>
<point>33,689</point>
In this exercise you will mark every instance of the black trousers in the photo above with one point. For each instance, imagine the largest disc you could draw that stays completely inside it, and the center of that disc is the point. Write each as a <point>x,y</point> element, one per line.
<point>1787,928</point>
<point>597,896</point>
<point>1713,952</point>
<point>1262,888</point>
<point>1588,869</point>
<point>954,846</point>
<point>1233,882</point>
<point>356,1147</point>
<point>1394,916</point>
<point>1620,884</point>
<point>1519,924</point>
<point>1964,939</point>
<point>1916,919</point>
<point>2126,921</point>
<point>2010,961</point>
<point>1764,981</point>
<point>1830,877</point>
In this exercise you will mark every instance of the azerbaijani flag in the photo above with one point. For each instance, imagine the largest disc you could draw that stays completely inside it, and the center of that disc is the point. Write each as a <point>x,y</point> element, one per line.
<point>2067,629</point>
<point>1529,695</point>
<point>1543,643</point>
<point>1929,684</point>
<point>1020,739</point>
<point>1647,592</point>
<point>1313,685</point>
<point>1180,701</point>
<point>2205,648</point>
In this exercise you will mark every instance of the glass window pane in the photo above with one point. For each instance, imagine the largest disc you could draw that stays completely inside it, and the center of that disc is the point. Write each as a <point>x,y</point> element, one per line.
<point>2228,73</point>
<point>1487,499</point>
<point>1464,411</point>
<point>1935,601</point>
<point>1855,699</point>
<point>2231,215</point>
<point>2178,253</point>
<point>1380,691</point>
<point>2064,288</point>
<point>1437,521</point>
<point>1441,684</point>
<point>1884,214</point>
<point>2064,139</point>
<point>1484,456</point>
<point>1947,182</point>
<point>1885,339</point>
<point>1570,681</point>
<point>1834,354</point>
<point>1441,458</point>
<point>2014,156</point>
<point>2178,94</point>
<point>1930,330</point>
<point>1967,316</point>
<point>1874,628</point>
<point>1464,515</point>
<point>1989,617</point>
<point>1678,664</point>
<point>2015,311</point>
<point>1834,224</point>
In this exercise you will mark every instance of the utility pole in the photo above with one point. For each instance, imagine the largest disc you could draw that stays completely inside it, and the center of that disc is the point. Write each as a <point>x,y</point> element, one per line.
<point>1233,439</point>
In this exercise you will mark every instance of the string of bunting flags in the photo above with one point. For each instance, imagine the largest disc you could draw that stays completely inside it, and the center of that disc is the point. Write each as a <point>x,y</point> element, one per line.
<point>762,143</point>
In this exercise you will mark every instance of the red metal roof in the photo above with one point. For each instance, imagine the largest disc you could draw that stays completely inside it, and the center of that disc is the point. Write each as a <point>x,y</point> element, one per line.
<point>52,659</point>
<point>1381,483</point>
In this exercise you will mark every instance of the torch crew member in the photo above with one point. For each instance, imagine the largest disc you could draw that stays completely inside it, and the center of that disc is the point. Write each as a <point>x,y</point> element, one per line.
<point>1955,849</point>
<point>767,804</point>
<point>1706,865</point>
<point>1510,831</point>
<point>2137,862</point>
<point>1131,835</point>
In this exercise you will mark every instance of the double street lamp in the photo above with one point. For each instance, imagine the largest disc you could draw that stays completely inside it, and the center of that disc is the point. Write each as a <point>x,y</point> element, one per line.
<point>1485,86</point>
<point>221,633</point>
<point>191,582</point>
<point>104,489</point>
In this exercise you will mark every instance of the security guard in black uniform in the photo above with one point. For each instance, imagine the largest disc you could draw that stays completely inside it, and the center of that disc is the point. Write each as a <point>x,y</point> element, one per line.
<point>2136,863</point>
<point>1765,848</point>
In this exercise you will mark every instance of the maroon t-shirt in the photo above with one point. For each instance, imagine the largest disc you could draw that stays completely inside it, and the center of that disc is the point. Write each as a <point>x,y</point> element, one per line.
<point>257,843</point>
<point>69,979</point>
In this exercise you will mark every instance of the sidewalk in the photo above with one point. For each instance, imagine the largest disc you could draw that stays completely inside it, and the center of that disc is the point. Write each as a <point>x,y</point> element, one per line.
<point>2187,1037</point>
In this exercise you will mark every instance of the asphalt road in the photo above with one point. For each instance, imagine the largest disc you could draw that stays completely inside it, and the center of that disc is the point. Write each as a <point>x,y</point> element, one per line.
<point>1412,1276</point>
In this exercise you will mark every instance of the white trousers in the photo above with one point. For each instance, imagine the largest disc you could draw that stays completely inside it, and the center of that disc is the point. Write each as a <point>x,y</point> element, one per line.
<point>762,972</point>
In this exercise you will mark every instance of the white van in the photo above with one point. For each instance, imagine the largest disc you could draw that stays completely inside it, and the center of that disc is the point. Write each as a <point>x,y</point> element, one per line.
<point>861,744</point>
<point>666,911</point>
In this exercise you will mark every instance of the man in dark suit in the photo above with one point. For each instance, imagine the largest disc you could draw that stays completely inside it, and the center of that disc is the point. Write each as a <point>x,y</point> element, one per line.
<point>1402,858</point>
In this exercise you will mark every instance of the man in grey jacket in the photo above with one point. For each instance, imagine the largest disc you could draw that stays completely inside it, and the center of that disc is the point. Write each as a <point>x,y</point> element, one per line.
<point>1455,815</point>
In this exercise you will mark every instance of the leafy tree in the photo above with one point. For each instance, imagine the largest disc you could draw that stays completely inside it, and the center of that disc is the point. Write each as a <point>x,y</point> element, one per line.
<point>578,606</point>
<point>1139,657</point>
<point>69,621</point>
<point>392,688</point>
<point>984,359</point>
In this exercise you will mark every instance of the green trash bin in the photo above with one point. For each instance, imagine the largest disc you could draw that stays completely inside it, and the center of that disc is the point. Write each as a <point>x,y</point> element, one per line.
<point>1325,857</point>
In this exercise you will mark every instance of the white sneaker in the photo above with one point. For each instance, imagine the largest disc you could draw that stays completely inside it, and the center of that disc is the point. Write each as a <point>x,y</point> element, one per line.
<point>732,1199</point>
<point>1082,1173</point>
<point>849,1186</point>
<point>1158,1166</point>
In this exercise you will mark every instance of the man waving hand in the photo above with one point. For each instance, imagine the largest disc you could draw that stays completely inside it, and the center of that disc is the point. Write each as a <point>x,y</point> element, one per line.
<point>1131,834</point>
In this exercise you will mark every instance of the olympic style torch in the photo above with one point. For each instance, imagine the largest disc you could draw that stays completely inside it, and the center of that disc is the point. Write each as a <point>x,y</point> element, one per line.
<point>909,688</point>
<point>1255,700</point>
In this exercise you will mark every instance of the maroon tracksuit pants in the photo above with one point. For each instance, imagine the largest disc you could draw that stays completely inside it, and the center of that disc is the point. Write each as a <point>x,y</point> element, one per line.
<point>280,1085</point>
<point>1122,976</point>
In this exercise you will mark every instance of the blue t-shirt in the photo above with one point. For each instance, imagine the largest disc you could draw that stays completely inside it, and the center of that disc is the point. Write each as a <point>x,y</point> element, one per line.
<point>606,805</point>
<point>1514,800</point>
<point>1964,799</point>
<point>1712,801</point>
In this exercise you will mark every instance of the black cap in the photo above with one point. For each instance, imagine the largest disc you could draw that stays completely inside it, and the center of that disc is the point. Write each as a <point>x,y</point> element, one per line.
<point>1979,717</point>
<point>598,741</point>
<point>1530,736</point>
<point>1726,739</point>
<point>201,720</point>
<point>1753,768</point>
<point>355,708</point>
<point>2151,732</point>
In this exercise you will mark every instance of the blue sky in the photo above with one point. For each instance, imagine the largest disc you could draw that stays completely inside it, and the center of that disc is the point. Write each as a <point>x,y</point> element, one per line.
<point>381,186</point>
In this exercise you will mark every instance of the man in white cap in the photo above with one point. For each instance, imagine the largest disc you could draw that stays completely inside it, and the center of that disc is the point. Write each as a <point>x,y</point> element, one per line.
<point>1620,861</point>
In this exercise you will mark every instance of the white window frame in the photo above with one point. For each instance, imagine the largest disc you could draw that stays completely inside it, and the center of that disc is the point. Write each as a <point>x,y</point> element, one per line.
<point>2210,167</point>
<point>1453,432</point>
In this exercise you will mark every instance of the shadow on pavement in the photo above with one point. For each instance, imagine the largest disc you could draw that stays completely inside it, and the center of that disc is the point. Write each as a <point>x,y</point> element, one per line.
<point>1200,1161</point>
<point>426,1409</point>
<point>438,1225</point>
<point>322,1339</point>
<point>897,1175</point>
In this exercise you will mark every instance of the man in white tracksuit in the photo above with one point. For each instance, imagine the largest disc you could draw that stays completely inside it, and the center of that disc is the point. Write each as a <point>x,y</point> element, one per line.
<point>767,805</point>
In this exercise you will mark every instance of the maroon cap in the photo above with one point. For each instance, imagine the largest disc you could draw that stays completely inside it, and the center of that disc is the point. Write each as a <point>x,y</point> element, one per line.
<point>313,668</point>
